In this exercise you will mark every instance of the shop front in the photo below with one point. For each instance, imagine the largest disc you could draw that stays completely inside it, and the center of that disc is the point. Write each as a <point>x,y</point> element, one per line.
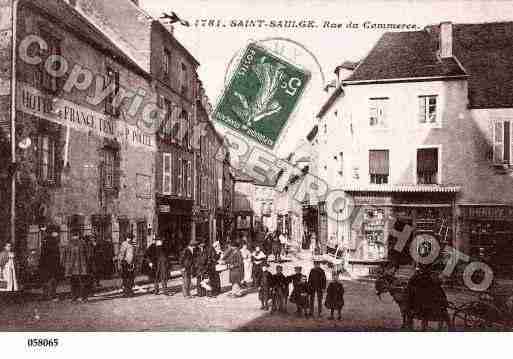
<point>486,233</point>
<point>370,236</point>
<point>174,223</point>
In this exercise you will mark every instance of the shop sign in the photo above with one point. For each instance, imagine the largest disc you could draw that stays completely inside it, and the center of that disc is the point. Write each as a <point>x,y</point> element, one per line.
<point>372,200</point>
<point>484,212</point>
<point>80,118</point>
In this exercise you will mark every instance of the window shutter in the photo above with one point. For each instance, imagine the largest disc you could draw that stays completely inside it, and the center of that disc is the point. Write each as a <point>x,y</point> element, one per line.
<point>166,173</point>
<point>179,191</point>
<point>507,142</point>
<point>378,162</point>
<point>498,145</point>
<point>117,172</point>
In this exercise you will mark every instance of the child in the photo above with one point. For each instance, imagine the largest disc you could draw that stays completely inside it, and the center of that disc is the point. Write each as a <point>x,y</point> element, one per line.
<point>295,279</point>
<point>264,290</point>
<point>335,296</point>
<point>300,296</point>
<point>280,290</point>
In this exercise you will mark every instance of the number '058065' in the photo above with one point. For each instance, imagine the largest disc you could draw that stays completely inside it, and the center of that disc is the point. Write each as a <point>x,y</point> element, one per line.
<point>43,342</point>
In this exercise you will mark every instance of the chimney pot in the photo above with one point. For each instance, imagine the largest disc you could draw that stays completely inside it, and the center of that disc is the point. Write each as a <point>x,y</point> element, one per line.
<point>445,39</point>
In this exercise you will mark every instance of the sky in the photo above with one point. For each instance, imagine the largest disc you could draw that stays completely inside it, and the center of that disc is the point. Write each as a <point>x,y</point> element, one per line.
<point>214,47</point>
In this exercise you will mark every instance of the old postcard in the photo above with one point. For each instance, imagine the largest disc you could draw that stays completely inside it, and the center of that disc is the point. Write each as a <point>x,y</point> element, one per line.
<point>238,166</point>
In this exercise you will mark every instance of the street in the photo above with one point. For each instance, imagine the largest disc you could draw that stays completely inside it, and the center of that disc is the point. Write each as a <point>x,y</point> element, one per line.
<point>107,311</point>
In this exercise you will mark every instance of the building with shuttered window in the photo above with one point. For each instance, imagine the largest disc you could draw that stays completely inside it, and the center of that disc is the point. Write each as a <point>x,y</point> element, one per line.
<point>83,162</point>
<point>420,130</point>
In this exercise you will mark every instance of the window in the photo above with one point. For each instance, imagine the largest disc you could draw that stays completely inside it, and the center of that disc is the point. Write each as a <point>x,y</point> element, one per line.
<point>47,158</point>
<point>183,79</point>
<point>378,166</point>
<point>110,168</point>
<point>49,82</point>
<point>180,176</point>
<point>166,173</point>
<point>184,177</point>
<point>166,61</point>
<point>102,227</point>
<point>167,128</point>
<point>189,179</point>
<point>124,229</point>
<point>427,109</point>
<point>378,111</point>
<point>502,142</point>
<point>112,82</point>
<point>427,166</point>
<point>184,129</point>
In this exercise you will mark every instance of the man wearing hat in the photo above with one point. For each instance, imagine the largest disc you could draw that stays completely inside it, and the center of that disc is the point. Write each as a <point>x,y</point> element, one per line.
<point>126,261</point>
<point>187,262</point>
<point>317,285</point>
<point>157,260</point>
<point>49,264</point>
<point>200,265</point>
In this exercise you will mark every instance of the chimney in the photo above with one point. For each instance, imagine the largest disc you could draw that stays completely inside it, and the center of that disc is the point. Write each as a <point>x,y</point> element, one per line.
<point>445,39</point>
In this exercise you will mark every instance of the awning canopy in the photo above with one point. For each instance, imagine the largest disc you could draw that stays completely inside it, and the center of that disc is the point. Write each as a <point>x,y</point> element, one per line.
<point>391,188</point>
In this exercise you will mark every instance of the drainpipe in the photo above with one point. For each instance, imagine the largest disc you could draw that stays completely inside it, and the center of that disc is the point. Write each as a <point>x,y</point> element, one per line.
<point>14,15</point>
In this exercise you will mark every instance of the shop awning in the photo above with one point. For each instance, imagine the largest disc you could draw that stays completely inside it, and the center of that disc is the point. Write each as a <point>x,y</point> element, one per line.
<point>402,188</point>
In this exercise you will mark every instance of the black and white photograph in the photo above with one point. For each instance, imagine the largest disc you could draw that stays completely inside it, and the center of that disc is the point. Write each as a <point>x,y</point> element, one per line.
<point>309,166</point>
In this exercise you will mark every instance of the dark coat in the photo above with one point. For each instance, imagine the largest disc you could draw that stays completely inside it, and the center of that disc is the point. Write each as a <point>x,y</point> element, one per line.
<point>200,261</point>
<point>187,260</point>
<point>103,254</point>
<point>426,297</point>
<point>266,284</point>
<point>335,296</point>
<point>74,258</point>
<point>50,261</point>
<point>300,294</point>
<point>281,282</point>
<point>317,279</point>
<point>156,255</point>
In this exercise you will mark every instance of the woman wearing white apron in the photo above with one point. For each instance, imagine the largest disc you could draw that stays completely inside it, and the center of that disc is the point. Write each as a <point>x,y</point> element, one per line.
<point>8,281</point>
<point>248,264</point>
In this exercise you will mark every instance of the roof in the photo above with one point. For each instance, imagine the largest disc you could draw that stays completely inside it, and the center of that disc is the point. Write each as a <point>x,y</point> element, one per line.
<point>484,52</point>
<point>401,188</point>
<point>348,65</point>
<point>60,12</point>
<point>176,42</point>
<point>405,55</point>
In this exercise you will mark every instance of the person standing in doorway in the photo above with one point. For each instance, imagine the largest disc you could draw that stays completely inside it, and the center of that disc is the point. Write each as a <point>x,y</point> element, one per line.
<point>74,261</point>
<point>49,264</point>
<point>187,263</point>
<point>126,259</point>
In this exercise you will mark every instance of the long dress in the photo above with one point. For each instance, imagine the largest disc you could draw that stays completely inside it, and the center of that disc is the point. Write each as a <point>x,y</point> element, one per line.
<point>248,264</point>
<point>8,270</point>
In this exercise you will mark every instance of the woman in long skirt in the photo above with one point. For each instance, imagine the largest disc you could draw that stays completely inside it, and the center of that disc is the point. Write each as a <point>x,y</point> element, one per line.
<point>248,264</point>
<point>8,280</point>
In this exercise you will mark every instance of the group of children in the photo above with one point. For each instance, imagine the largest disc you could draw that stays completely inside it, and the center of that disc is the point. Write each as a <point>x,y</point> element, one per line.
<point>274,291</point>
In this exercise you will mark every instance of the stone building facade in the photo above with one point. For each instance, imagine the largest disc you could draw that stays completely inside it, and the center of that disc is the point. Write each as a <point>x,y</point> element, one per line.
<point>83,162</point>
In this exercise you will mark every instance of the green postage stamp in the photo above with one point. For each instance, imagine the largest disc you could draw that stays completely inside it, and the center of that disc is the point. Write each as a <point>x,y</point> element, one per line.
<point>261,95</point>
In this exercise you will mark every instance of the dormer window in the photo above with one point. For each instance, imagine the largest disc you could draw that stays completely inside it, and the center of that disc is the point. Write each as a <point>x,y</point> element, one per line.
<point>502,142</point>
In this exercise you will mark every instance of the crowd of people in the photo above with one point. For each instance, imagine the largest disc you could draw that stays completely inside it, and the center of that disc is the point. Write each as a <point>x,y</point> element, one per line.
<point>84,261</point>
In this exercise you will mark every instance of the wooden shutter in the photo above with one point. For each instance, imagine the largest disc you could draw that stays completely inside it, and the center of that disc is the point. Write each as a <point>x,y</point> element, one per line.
<point>378,162</point>
<point>166,173</point>
<point>498,142</point>
<point>116,181</point>
<point>427,160</point>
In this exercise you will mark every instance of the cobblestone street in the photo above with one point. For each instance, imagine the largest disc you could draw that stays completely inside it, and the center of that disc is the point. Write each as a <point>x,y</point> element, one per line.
<point>109,312</point>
